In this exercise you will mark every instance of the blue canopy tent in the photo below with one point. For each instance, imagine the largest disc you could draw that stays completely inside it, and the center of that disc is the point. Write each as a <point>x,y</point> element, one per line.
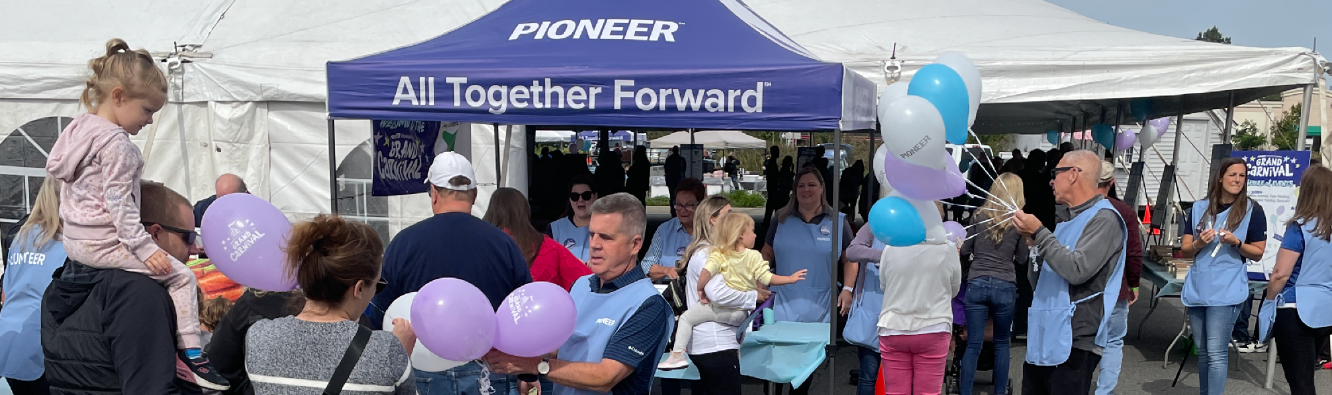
<point>685,64</point>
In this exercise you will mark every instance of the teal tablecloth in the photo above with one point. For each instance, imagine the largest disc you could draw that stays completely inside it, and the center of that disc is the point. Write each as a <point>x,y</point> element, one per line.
<point>1167,285</point>
<point>781,352</point>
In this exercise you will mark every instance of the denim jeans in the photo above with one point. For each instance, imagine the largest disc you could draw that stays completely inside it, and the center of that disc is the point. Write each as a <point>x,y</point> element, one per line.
<point>1241,332</point>
<point>988,298</point>
<point>463,380</point>
<point>1211,333</point>
<point>1113,356</point>
<point>869,370</point>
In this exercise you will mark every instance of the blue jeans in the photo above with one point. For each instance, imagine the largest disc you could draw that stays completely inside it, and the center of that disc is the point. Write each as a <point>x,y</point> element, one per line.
<point>869,370</point>
<point>1211,333</point>
<point>463,380</point>
<point>988,298</point>
<point>1241,332</point>
<point>1113,356</point>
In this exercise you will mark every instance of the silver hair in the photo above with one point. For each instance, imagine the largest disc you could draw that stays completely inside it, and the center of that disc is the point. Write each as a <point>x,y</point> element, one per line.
<point>1088,162</point>
<point>633,216</point>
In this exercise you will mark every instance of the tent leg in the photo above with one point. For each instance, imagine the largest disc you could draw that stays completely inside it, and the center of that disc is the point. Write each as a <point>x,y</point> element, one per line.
<point>1230,119</point>
<point>332,168</point>
<point>1303,131</point>
<point>499,175</point>
<point>836,255</point>
<point>1174,166</point>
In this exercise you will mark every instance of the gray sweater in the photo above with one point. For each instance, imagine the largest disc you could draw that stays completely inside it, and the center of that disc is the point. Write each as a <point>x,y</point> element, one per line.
<point>1087,268</point>
<point>291,356</point>
<point>999,260</point>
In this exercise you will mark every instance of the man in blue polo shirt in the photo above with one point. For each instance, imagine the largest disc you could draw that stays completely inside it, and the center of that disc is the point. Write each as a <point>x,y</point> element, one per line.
<point>453,243</point>
<point>622,320</point>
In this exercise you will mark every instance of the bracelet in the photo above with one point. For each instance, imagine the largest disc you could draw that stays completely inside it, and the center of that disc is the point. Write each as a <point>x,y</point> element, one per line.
<point>848,289</point>
<point>1135,289</point>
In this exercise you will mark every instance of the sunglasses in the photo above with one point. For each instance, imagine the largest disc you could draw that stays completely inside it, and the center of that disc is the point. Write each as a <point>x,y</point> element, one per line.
<point>379,286</point>
<point>574,196</point>
<point>1055,174</point>
<point>190,236</point>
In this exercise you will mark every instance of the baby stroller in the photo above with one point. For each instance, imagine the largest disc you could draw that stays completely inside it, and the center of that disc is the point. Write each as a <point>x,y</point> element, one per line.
<point>958,348</point>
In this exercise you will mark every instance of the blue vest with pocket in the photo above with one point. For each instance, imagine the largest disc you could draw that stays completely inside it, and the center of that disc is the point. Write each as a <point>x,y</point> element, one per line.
<point>862,324</point>
<point>1050,318</point>
<point>571,237</point>
<point>800,245</point>
<point>1313,288</point>
<point>1222,280</point>
<point>599,317</point>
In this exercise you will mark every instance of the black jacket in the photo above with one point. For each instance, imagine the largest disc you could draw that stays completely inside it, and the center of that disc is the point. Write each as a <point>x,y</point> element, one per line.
<point>227,349</point>
<point>109,331</point>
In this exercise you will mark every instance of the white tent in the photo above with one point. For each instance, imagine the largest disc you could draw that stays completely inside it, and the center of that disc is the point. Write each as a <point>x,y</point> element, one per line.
<point>712,139</point>
<point>1040,63</point>
<point>554,136</point>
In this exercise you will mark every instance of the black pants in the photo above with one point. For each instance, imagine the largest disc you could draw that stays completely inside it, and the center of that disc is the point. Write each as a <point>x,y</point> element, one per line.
<point>719,374</point>
<point>1297,347</point>
<point>1074,376</point>
<point>35,387</point>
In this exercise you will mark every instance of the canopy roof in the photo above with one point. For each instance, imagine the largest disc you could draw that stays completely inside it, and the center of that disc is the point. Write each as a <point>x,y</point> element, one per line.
<point>1040,63</point>
<point>679,64</point>
<point>712,139</point>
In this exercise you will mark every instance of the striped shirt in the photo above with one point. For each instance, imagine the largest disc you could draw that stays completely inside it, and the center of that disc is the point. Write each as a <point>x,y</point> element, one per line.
<point>292,356</point>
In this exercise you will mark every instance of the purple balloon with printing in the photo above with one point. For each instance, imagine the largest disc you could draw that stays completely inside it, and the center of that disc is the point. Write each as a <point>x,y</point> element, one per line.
<point>244,236</point>
<point>923,182</point>
<point>534,320</point>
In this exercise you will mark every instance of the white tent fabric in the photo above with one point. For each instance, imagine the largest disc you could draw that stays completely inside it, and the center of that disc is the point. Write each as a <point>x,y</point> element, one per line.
<point>554,136</point>
<point>712,139</point>
<point>1040,63</point>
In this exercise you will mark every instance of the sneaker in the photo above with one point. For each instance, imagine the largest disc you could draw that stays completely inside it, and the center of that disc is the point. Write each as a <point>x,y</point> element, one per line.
<point>1245,347</point>
<point>677,360</point>
<point>204,374</point>
<point>1020,336</point>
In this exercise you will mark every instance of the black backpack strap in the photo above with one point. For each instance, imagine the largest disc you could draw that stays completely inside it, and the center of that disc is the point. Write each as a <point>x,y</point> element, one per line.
<point>349,360</point>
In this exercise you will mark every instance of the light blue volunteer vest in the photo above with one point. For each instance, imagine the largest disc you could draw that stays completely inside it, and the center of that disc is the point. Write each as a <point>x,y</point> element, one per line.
<point>1222,280</point>
<point>862,324</point>
<point>799,245</point>
<point>674,244</point>
<point>571,237</point>
<point>599,316</point>
<point>1313,288</point>
<point>27,274</point>
<point>1050,333</point>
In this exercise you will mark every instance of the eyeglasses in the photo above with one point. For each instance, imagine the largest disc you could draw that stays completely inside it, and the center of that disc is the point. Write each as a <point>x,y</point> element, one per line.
<point>574,196</point>
<point>686,206</point>
<point>190,236</point>
<point>1055,174</point>
<point>379,286</point>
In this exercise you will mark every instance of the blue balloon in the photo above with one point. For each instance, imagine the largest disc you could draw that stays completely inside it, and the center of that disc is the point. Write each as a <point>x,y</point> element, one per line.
<point>1052,136</point>
<point>946,90</point>
<point>1104,135</point>
<point>1141,108</point>
<point>895,222</point>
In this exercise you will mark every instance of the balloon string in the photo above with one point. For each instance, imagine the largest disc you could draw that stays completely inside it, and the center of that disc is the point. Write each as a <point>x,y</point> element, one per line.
<point>983,166</point>
<point>991,227</point>
<point>970,206</point>
<point>996,198</point>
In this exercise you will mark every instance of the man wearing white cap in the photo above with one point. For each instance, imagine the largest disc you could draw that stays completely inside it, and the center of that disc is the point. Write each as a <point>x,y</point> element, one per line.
<point>453,243</point>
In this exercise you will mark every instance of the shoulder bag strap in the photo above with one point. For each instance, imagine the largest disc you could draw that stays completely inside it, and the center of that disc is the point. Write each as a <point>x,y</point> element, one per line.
<point>349,360</point>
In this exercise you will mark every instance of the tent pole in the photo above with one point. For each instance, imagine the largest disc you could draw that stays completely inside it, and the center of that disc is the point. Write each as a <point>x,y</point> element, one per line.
<point>836,255</point>
<point>1230,119</point>
<point>499,176</point>
<point>332,167</point>
<point>1174,162</point>
<point>184,151</point>
<point>1303,131</point>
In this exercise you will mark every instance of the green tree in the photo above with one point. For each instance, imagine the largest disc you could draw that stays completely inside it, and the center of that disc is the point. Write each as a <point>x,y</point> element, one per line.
<point>1284,132</point>
<point>1247,138</point>
<point>1213,36</point>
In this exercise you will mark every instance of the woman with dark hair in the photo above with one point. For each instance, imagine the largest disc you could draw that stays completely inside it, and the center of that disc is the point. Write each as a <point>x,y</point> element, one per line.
<point>640,174</point>
<point>571,230</point>
<point>673,236</point>
<point>337,265</point>
<point>1221,232</point>
<point>1299,327</point>
<point>549,261</point>
<point>802,239</point>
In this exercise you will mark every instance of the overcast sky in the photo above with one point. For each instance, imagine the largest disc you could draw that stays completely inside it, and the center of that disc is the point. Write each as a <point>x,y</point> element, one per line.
<point>1255,23</point>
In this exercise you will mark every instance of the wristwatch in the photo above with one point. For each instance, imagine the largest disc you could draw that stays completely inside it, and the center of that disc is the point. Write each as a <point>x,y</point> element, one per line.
<point>543,368</point>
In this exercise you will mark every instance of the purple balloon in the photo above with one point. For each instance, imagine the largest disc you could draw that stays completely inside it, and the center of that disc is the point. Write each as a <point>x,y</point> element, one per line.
<point>1125,140</point>
<point>244,237</point>
<point>534,320</point>
<point>923,182</point>
<point>453,319</point>
<point>956,232</point>
<point>1161,124</point>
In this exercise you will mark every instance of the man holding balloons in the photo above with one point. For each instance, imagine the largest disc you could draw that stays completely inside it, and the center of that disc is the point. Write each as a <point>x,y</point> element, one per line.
<point>622,322</point>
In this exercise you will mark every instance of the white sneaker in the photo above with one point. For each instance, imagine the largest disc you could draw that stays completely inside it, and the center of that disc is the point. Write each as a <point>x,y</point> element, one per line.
<point>677,360</point>
<point>1251,347</point>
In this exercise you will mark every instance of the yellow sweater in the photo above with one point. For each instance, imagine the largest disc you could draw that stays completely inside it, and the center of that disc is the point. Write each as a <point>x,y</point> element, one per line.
<point>740,269</point>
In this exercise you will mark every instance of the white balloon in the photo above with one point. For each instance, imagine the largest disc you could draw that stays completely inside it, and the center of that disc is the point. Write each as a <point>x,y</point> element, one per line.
<point>914,131</point>
<point>1148,136</point>
<point>422,358</point>
<point>892,92</point>
<point>970,75</point>
<point>879,155</point>
<point>930,217</point>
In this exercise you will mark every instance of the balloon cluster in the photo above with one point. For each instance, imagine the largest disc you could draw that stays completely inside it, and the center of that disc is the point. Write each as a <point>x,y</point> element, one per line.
<point>938,106</point>
<point>1119,140</point>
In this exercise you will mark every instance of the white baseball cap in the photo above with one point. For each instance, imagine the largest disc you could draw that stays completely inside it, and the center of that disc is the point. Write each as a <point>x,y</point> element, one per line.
<point>448,165</point>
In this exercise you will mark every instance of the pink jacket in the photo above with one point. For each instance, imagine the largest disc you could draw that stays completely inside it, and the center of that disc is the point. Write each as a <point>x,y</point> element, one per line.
<point>99,200</point>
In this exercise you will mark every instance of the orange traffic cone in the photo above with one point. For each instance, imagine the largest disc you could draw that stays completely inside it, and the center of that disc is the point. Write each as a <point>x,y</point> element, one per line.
<point>878,385</point>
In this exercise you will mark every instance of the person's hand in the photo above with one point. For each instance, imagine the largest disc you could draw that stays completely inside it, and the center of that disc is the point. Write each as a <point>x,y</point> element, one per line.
<point>526,388</point>
<point>658,272</point>
<point>402,329</point>
<point>1229,238</point>
<point>1207,236</point>
<point>1027,224</point>
<point>799,275</point>
<point>702,297</point>
<point>763,292</point>
<point>507,364</point>
<point>1133,299</point>
<point>844,302</point>
<point>159,264</point>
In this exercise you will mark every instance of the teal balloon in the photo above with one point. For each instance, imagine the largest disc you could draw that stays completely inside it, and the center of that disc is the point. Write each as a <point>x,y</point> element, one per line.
<point>1052,137</point>
<point>1141,109</point>
<point>1104,135</point>
<point>946,90</point>
<point>895,222</point>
